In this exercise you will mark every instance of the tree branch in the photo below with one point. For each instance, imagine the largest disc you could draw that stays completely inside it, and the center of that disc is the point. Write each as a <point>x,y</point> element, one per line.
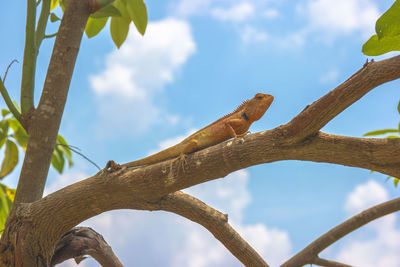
<point>215,222</point>
<point>29,64</point>
<point>9,102</point>
<point>308,254</point>
<point>45,121</point>
<point>82,241</point>
<point>42,23</point>
<point>319,113</point>
<point>328,263</point>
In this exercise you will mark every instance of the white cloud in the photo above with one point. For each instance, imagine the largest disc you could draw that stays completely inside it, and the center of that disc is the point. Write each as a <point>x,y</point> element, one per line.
<point>237,13</point>
<point>135,75</point>
<point>191,7</point>
<point>271,13</point>
<point>365,196</point>
<point>271,243</point>
<point>376,244</point>
<point>329,77</point>
<point>342,16</point>
<point>250,34</point>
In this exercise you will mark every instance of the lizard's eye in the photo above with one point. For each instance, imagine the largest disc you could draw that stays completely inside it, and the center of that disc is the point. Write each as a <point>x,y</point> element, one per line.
<point>259,96</point>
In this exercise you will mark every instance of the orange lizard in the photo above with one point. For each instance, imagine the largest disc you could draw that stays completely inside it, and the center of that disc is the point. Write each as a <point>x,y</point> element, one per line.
<point>233,125</point>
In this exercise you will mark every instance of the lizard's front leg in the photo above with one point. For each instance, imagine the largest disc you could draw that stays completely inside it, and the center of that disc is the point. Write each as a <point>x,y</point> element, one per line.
<point>191,146</point>
<point>235,123</point>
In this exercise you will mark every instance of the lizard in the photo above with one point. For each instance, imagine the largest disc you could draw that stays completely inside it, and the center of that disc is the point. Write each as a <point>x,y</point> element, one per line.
<point>233,125</point>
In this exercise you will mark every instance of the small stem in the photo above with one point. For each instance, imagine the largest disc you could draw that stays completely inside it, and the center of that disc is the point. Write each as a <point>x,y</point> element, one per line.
<point>8,101</point>
<point>38,3</point>
<point>50,35</point>
<point>9,65</point>
<point>42,23</point>
<point>29,65</point>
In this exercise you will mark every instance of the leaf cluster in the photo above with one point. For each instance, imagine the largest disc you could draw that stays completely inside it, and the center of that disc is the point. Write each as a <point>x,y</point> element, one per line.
<point>12,135</point>
<point>121,12</point>
<point>387,37</point>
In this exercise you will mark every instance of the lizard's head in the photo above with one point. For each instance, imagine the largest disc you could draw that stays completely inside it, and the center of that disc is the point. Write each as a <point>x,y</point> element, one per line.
<point>256,107</point>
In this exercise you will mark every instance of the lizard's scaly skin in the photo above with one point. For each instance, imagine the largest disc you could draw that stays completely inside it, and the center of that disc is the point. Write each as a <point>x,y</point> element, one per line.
<point>233,125</point>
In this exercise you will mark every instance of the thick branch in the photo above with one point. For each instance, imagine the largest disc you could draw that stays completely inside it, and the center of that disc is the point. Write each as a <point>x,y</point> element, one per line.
<point>43,128</point>
<point>319,113</point>
<point>309,254</point>
<point>80,201</point>
<point>81,241</point>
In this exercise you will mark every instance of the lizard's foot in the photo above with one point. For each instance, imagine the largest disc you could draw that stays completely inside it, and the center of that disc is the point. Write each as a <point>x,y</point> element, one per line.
<point>182,164</point>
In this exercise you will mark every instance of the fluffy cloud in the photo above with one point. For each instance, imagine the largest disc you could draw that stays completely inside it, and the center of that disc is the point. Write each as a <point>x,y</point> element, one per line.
<point>376,244</point>
<point>238,12</point>
<point>135,75</point>
<point>341,16</point>
<point>365,196</point>
<point>249,34</point>
<point>329,77</point>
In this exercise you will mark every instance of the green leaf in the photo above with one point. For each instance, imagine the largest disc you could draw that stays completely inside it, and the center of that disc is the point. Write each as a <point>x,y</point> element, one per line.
<point>6,199</point>
<point>105,2</point>
<point>5,112</point>
<point>138,13</point>
<point>10,158</point>
<point>57,160</point>
<point>389,23</point>
<point>16,105</point>
<point>53,17</point>
<point>64,148</point>
<point>392,136</point>
<point>3,132</point>
<point>62,4</point>
<point>380,132</point>
<point>20,134</point>
<point>376,47</point>
<point>107,11</point>
<point>398,110</point>
<point>395,181</point>
<point>94,26</point>
<point>119,28</point>
<point>54,4</point>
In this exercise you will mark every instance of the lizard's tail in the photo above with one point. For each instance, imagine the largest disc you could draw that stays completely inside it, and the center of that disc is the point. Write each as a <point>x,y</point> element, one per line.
<point>168,153</point>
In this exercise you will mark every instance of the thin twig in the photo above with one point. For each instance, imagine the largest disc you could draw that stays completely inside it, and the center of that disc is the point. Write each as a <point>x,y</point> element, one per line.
<point>50,35</point>
<point>9,102</point>
<point>9,65</point>
<point>75,149</point>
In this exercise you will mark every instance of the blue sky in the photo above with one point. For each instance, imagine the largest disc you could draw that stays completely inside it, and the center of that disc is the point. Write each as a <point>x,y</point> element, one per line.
<point>198,60</point>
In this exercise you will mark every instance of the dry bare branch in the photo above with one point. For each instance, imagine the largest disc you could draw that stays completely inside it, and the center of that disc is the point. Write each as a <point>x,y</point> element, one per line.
<point>310,253</point>
<point>81,241</point>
